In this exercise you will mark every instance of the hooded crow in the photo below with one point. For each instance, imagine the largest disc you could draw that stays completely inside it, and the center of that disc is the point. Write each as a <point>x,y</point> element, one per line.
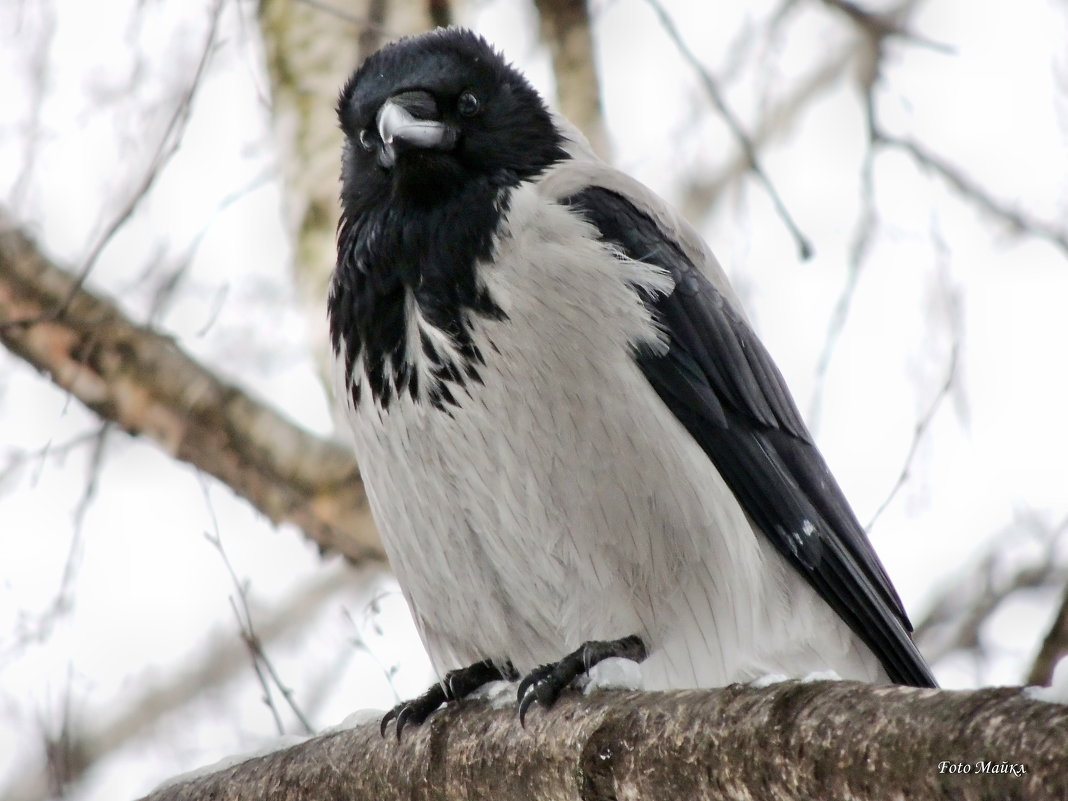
<point>573,443</point>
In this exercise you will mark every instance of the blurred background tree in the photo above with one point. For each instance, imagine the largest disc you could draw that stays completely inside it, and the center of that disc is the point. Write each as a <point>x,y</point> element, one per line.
<point>885,182</point>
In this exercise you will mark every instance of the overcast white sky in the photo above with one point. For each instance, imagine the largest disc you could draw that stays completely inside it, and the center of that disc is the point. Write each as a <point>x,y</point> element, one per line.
<point>150,594</point>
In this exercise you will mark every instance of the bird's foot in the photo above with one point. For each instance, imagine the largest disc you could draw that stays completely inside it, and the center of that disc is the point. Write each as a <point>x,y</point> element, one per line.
<point>544,684</point>
<point>457,684</point>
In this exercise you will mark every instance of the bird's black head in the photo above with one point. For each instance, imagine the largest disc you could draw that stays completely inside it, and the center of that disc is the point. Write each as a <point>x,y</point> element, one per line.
<point>428,114</point>
<point>438,130</point>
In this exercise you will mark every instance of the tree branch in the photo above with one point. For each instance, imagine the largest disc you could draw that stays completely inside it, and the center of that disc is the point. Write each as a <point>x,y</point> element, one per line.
<point>143,382</point>
<point>1018,221</point>
<point>111,726</point>
<point>734,124</point>
<point>1054,648</point>
<point>790,740</point>
<point>565,28</point>
<point>956,616</point>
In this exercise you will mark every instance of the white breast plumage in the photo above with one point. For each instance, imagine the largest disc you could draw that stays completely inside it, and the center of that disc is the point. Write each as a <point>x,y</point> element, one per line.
<point>559,500</point>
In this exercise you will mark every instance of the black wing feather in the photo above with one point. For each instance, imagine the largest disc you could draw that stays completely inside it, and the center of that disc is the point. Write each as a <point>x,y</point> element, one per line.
<point>720,382</point>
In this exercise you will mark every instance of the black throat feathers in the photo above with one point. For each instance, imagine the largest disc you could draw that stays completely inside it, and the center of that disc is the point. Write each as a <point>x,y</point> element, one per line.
<point>399,253</point>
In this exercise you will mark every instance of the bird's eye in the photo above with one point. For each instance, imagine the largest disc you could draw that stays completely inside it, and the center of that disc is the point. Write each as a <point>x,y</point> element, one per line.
<point>468,104</point>
<point>366,142</point>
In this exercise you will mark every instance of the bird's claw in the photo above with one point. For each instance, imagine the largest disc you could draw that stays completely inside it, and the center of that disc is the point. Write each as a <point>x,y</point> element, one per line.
<point>457,684</point>
<point>415,711</point>
<point>545,683</point>
<point>542,686</point>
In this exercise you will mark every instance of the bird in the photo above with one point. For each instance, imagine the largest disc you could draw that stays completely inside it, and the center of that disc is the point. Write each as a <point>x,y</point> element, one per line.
<point>573,443</point>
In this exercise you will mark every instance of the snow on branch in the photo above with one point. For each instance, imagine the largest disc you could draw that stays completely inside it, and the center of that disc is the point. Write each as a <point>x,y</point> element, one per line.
<point>819,740</point>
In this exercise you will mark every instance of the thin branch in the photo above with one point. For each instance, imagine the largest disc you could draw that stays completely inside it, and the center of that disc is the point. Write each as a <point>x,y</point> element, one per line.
<point>804,247</point>
<point>243,613</point>
<point>880,26</point>
<point>167,147</point>
<point>919,432</point>
<point>700,191</point>
<point>39,626</point>
<point>863,237</point>
<point>956,616</point>
<point>39,75</point>
<point>788,741</point>
<point>221,659</point>
<point>165,290</point>
<point>143,382</point>
<point>1018,221</point>
<point>1054,648</point>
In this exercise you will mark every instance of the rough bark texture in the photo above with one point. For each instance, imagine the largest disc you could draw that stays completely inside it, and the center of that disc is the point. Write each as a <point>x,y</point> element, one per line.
<point>825,740</point>
<point>565,27</point>
<point>141,380</point>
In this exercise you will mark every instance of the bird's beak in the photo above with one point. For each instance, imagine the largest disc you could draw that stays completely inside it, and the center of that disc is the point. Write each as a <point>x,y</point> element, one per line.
<point>411,120</point>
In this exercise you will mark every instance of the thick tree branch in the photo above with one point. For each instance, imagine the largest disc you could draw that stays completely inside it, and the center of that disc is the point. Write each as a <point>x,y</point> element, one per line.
<point>310,49</point>
<point>791,740</point>
<point>143,382</point>
<point>565,28</point>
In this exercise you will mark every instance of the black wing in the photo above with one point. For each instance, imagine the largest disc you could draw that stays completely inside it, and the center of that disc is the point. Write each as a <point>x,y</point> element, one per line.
<point>720,382</point>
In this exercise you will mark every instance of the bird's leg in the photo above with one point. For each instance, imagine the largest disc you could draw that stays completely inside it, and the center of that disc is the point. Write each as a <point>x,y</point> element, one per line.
<point>457,684</point>
<point>544,684</point>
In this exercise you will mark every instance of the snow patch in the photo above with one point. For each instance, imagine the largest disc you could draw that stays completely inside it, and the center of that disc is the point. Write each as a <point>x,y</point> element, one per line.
<point>769,679</point>
<point>820,675</point>
<point>1057,692</point>
<point>500,694</point>
<point>614,673</point>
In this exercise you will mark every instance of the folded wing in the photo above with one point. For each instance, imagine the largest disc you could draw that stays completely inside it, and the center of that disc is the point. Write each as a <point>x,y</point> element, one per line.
<point>721,384</point>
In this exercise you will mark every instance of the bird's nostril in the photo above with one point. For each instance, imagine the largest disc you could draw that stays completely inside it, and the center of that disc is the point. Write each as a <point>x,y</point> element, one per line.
<point>418,103</point>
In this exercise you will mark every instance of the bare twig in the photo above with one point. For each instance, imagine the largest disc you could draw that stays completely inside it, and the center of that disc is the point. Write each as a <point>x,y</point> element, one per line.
<point>166,289</point>
<point>700,191</point>
<point>64,760</point>
<point>956,616</point>
<point>39,78</point>
<point>262,666</point>
<point>884,25</point>
<point>222,657</point>
<point>40,626</point>
<point>804,247</point>
<point>17,459</point>
<point>918,433</point>
<point>1054,647</point>
<point>863,237</point>
<point>167,147</point>
<point>968,189</point>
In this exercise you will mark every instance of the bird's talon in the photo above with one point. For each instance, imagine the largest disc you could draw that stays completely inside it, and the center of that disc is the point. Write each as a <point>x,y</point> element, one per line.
<point>402,720</point>
<point>386,718</point>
